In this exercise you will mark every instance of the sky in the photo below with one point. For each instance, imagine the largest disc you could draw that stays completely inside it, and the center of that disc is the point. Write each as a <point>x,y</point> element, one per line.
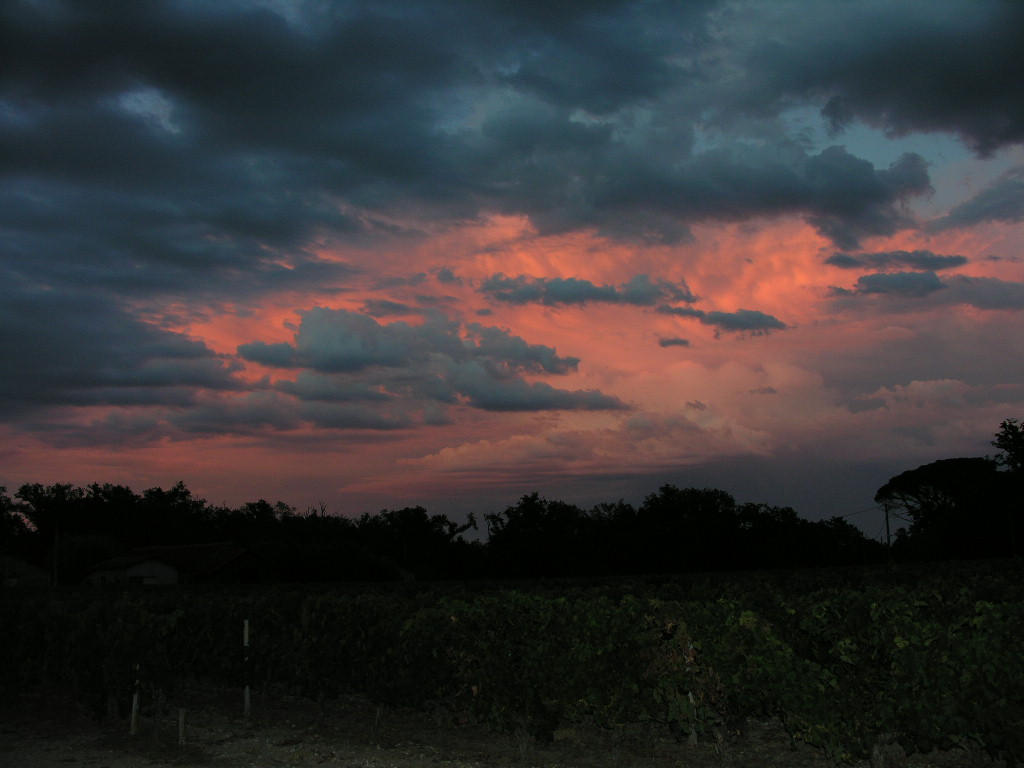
<point>369,255</point>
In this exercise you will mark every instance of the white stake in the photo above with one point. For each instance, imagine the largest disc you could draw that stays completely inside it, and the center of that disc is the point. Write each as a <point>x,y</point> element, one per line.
<point>135,704</point>
<point>245,646</point>
<point>135,713</point>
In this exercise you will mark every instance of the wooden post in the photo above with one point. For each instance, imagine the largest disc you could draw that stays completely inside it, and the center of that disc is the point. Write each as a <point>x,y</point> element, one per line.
<point>245,651</point>
<point>181,727</point>
<point>135,704</point>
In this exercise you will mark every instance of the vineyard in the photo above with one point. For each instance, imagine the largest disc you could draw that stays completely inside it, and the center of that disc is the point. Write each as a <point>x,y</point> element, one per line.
<point>926,656</point>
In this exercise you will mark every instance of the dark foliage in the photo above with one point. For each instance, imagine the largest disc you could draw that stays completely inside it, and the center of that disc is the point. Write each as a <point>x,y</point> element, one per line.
<point>70,529</point>
<point>961,508</point>
<point>955,508</point>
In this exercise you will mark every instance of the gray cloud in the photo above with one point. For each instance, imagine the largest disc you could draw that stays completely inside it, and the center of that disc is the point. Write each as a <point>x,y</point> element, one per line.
<point>986,292</point>
<point>387,308</point>
<point>1002,201</point>
<point>946,66</point>
<point>742,320</point>
<point>447,276</point>
<point>184,144</point>
<point>62,346</point>
<point>499,345</point>
<point>335,341</point>
<point>347,356</point>
<point>673,342</point>
<point>477,382</point>
<point>856,201</point>
<point>249,414</point>
<point>924,260</point>
<point>182,157</point>
<point>313,386</point>
<point>640,291</point>
<point>979,292</point>
<point>350,416</point>
<point>905,284</point>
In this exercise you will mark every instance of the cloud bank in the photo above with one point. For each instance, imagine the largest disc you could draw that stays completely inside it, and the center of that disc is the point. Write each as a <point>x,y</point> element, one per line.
<point>474,244</point>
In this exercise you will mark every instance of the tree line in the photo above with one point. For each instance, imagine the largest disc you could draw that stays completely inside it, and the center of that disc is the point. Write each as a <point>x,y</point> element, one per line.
<point>953,508</point>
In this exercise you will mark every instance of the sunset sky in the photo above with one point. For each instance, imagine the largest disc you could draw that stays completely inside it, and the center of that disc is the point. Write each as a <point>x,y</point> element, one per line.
<point>379,254</point>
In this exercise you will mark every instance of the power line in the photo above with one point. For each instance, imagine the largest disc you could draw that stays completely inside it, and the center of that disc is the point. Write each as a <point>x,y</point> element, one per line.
<point>860,511</point>
<point>880,529</point>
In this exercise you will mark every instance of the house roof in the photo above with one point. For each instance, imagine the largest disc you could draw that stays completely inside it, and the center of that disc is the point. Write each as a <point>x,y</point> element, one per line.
<point>194,559</point>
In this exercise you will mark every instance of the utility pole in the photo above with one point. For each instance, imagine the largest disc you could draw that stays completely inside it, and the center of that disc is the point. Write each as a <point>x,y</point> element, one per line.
<point>888,535</point>
<point>56,548</point>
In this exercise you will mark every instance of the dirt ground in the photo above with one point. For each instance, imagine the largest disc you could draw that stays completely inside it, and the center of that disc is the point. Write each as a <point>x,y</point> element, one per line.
<point>47,731</point>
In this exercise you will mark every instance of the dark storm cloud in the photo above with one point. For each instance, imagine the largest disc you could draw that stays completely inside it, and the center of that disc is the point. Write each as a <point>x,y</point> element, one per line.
<point>241,129</point>
<point>640,291</point>
<point>743,320</point>
<point>637,189</point>
<point>906,284</point>
<point>334,341</point>
<point>202,153</point>
<point>309,385</point>
<point>986,292</point>
<point>349,356</point>
<point>136,245</point>
<point>62,346</point>
<point>500,345</point>
<point>853,200</point>
<point>1002,201</point>
<point>740,321</point>
<point>979,292</point>
<point>923,260</point>
<point>250,413</point>
<point>950,65</point>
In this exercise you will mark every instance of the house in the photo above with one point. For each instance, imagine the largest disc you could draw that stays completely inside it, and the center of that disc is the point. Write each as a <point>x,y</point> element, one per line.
<point>17,572</point>
<point>225,562</point>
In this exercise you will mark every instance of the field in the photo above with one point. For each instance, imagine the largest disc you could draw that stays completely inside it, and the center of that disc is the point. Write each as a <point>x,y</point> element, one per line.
<point>914,666</point>
<point>43,730</point>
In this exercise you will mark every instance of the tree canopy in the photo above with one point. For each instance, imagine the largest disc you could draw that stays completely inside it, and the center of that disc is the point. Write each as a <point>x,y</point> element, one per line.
<point>1010,441</point>
<point>960,507</point>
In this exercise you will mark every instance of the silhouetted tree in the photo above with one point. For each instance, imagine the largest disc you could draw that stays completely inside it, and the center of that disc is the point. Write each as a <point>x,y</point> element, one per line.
<point>538,537</point>
<point>956,508</point>
<point>54,512</point>
<point>173,516</point>
<point>318,547</point>
<point>418,543</point>
<point>689,529</point>
<point>615,548</point>
<point>109,509</point>
<point>252,522</point>
<point>770,537</point>
<point>837,542</point>
<point>1010,440</point>
<point>14,531</point>
<point>674,530</point>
